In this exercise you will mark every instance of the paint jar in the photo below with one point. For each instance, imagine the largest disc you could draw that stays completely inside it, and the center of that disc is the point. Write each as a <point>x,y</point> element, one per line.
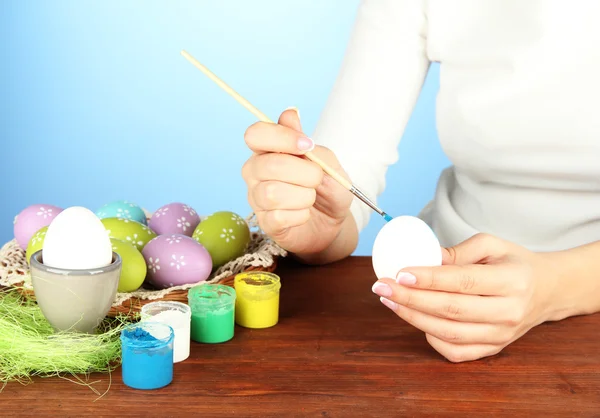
<point>213,312</point>
<point>257,304</point>
<point>147,355</point>
<point>178,316</point>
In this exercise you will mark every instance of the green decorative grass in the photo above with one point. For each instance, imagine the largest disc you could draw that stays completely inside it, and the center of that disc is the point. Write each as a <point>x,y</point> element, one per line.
<point>30,347</point>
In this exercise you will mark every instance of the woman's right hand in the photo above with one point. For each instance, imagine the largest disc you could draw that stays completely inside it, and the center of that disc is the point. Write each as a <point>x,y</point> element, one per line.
<point>300,207</point>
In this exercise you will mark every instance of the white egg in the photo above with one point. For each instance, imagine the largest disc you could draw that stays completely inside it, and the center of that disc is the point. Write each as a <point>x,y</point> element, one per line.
<point>405,241</point>
<point>76,239</point>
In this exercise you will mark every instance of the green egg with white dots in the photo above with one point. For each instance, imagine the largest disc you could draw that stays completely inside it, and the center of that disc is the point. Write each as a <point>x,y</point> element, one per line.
<point>129,231</point>
<point>133,265</point>
<point>225,235</point>
<point>36,242</point>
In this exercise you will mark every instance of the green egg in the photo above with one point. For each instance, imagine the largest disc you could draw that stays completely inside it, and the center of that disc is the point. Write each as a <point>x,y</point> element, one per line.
<point>225,235</point>
<point>36,242</point>
<point>133,267</point>
<point>129,231</point>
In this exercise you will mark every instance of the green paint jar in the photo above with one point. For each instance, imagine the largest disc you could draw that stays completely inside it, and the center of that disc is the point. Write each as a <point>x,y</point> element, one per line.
<point>213,313</point>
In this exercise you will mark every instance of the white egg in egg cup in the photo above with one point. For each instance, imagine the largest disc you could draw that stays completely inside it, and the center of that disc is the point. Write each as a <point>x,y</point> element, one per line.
<point>75,300</point>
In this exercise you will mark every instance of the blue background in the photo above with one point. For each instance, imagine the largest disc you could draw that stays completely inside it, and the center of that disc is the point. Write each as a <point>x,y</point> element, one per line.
<point>97,104</point>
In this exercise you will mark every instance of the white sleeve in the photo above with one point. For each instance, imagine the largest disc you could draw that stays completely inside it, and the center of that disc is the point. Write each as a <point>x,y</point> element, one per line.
<point>375,92</point>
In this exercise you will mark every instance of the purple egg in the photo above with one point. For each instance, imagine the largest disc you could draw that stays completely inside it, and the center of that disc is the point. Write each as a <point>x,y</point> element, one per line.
<point>174,218</point>
<point>176,259</point>
<point>32,219</point>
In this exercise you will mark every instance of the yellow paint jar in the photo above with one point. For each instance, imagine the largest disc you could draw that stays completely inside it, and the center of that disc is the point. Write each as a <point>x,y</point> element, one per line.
<point>257,302</point>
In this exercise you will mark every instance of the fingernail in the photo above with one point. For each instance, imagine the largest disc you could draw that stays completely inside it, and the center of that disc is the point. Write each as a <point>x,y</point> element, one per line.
<point>405,278</point>
<point>381,289</point>
<point>388,303</point>
<point>294,108</point>
<point>305,144</point>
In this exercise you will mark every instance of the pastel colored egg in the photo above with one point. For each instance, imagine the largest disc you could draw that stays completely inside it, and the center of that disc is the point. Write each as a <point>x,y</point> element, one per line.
<point>76,240</point>
<point>122,209</point>
<point>36,242</point>
<point>174,260</point>
<point>224,234</point>
<point>174,218</point>
<point>129,231</point>
<point>32,219</point>
<point>133,268</point>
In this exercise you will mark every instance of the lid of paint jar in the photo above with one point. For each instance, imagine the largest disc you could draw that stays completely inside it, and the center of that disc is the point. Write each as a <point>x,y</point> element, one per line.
<point>211,296</point>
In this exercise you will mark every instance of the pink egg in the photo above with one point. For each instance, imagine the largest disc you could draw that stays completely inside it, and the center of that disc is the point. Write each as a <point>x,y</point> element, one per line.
<point>174,218</point>
<point>32,219</point>
<point>176,259</point>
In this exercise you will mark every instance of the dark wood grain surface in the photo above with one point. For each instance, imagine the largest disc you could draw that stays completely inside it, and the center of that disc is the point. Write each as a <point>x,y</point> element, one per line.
<point>338,352</point>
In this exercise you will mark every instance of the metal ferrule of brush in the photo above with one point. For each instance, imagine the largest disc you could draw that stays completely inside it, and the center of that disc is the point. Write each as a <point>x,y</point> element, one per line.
<point>356,192</point>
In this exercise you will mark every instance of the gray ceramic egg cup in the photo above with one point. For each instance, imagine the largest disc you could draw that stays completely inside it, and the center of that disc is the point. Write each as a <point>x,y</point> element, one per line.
<point>75,300</point>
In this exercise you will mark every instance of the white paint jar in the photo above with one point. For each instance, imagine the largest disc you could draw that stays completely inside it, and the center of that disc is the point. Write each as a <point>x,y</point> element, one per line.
<point>177,315</point>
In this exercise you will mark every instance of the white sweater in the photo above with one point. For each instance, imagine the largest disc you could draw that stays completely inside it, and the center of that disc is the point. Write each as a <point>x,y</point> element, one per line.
<point>518,113</point>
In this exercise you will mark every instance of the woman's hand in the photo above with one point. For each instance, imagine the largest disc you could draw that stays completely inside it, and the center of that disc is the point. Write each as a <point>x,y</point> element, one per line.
<point>298,206</point>
<point>487,294</point>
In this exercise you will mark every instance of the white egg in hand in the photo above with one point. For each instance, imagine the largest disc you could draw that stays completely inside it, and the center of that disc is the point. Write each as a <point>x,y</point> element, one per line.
<point>405,241</point>
<point>76,239</point>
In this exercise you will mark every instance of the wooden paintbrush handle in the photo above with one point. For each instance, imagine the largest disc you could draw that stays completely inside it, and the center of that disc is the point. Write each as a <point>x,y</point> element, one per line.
<point>326,168</point>
<point>264,118</point>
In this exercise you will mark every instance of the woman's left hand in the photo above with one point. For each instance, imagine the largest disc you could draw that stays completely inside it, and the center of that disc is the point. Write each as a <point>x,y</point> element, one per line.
<point>487,294</point>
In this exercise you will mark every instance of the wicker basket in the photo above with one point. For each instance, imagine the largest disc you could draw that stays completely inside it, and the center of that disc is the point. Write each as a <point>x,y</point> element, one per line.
<point>261,255</point>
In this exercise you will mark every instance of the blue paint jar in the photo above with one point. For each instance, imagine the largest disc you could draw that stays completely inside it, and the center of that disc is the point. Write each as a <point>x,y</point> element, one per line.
<point>147,355</point>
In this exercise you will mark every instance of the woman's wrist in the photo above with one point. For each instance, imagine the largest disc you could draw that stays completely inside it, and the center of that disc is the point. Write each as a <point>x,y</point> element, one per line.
<point>341,247</point>
<point>576,281</point>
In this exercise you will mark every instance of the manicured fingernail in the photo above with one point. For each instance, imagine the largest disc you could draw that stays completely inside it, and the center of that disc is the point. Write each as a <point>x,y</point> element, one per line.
<point>294,108</point>
<point>381,289</point>
<point>305,144</point>
<point>388,303</point>
<point>405,278</point>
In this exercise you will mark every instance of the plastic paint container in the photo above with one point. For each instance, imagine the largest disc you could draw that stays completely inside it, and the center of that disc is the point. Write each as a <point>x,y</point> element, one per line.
<point>178,316</point>
<point>257,304</point>
<point>213,312</point>
<point>147,355</point>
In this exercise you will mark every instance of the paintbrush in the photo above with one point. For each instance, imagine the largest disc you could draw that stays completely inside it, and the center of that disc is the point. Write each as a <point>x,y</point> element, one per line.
<point>261,116</point>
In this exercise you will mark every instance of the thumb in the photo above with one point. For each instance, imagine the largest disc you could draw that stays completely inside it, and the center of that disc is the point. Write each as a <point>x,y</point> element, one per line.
<point>479,249</point>
<point>291,118</point>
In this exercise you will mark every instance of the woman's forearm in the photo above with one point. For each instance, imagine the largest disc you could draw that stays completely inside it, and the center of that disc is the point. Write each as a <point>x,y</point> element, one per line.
<point>578,283</point>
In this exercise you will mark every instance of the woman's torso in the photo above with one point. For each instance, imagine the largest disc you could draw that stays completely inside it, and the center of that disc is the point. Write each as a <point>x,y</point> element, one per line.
<point>518,114</point>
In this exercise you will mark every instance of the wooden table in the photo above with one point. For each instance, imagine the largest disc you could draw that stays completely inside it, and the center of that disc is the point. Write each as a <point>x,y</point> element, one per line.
<point>338,352</point>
